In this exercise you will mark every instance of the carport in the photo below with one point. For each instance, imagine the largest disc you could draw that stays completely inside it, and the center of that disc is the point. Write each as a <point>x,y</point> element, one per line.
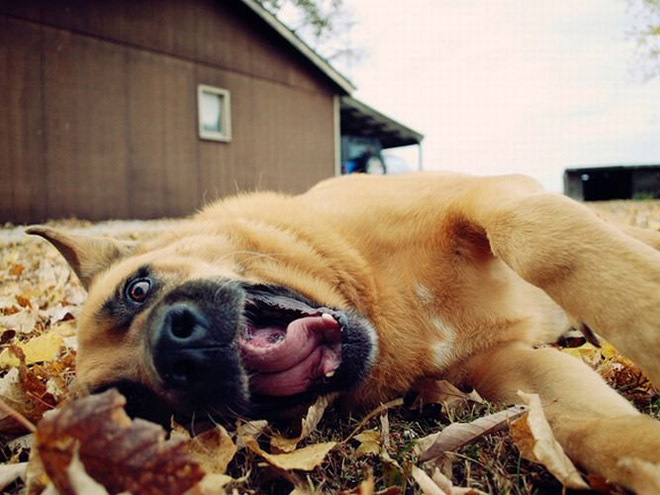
<point>363,127</point>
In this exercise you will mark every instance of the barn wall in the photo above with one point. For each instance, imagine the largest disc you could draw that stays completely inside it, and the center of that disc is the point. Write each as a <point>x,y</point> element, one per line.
<point>101,118</point>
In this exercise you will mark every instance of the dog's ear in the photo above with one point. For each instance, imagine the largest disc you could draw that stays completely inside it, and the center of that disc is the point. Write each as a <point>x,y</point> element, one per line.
<point>85,254</point>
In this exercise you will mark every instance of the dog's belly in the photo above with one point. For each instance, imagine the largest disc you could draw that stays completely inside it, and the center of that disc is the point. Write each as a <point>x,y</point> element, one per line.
<point>488,306</point>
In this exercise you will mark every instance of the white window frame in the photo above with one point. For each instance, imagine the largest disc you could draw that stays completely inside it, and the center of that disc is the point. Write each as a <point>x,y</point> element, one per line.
<point>224,136</point>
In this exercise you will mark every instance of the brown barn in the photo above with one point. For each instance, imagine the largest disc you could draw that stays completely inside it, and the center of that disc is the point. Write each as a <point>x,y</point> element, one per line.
<point>138,108</point>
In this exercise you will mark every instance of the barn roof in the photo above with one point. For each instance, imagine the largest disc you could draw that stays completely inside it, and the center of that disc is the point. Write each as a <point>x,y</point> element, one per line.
<point>357,118</point>
<point>298,44</point>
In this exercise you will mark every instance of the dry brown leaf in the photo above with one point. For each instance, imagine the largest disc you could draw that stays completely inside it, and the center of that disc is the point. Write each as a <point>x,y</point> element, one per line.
<point>369,443</point>
<point>304,459</point>
<point>25,393</point>
<point>308,425</point>
<point>644,476</point>
<point>456,435</point>
<point>534,438</point>
<point>123,455</point>
<point>213,449</point>
<point>385,430</point>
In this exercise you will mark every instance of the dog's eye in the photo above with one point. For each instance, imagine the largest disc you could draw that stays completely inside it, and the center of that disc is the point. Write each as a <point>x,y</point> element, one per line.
<point>138,290</point>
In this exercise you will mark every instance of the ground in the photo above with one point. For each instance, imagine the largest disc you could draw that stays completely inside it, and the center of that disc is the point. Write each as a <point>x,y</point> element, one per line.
<point>39,303</point>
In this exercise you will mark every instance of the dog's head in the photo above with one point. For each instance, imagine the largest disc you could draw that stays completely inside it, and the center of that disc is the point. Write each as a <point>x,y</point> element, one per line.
<point>197,325</point>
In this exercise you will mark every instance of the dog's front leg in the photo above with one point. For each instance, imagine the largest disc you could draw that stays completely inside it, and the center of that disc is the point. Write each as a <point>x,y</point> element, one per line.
<point>594,271</point>
<point>597,427</point>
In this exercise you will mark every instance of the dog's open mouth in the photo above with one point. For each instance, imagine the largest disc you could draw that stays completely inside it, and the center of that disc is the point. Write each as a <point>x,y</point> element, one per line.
<point>288,346</point>
<point>225,349</point>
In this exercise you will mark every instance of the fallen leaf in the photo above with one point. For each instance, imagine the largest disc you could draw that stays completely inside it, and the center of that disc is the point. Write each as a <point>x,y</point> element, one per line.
<point>214,484</point>
<point>10,473</point>
<point>213,449</point>
<point>456,435</point>
<point>25,394</point>
<point>308,425</point>
<point>121,454</point>
<point>385,430</point>
<point>644,476</point>
<point>16,270</point>
<point>22,321</point>
<point>536,442</point>
<point>249,430</point>
<point>304,459</point>
<point>45,347</point>
<point>369,443</point>
<point>608,350</point>
<point>426,483</point>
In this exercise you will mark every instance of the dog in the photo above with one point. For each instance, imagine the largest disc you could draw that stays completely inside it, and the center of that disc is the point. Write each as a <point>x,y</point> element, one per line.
<point>368,287</point>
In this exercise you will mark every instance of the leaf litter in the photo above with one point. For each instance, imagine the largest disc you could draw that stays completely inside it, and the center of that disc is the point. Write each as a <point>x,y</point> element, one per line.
<point>379,453</point>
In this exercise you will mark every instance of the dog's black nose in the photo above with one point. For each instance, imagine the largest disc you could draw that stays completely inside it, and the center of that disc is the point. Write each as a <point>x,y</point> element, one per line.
<point>191,343</point>
<point>185,348</point>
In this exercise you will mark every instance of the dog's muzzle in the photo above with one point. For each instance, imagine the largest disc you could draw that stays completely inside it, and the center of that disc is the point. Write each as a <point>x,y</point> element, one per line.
<point>191,343</point>
<point>217,348</point>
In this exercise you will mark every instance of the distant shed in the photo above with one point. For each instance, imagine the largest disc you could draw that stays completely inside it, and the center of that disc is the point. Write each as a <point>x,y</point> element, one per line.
<point>612,182</point>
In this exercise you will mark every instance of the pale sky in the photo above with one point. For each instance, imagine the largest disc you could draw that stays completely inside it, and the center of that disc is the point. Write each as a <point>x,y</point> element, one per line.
<point>500,86</point>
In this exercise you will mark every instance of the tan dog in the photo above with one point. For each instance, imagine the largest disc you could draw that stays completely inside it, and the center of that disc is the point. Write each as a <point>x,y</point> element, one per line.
<point>369,286</point>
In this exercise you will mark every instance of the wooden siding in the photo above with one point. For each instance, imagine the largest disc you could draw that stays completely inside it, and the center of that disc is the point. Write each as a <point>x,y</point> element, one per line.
<point>99,107</point>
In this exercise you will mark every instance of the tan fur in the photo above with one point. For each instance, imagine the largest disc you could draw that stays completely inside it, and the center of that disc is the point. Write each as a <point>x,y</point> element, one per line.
<point>461,277</point>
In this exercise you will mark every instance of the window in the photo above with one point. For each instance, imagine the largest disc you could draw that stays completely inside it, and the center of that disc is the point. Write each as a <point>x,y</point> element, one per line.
<point>214,113</point>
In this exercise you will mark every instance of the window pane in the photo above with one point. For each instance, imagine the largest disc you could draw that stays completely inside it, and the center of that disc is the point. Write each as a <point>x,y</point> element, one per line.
<point>211,112</point>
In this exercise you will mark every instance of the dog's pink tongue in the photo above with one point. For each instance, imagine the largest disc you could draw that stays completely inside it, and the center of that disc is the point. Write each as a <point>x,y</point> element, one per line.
<point>322,361</point>
<point>272,349</point>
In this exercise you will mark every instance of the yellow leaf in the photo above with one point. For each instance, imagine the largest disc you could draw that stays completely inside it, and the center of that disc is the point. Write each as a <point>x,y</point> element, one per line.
<point>608,351</point>
<point>308,425</point>
<point>369,443</point>
<point>304,459</point>
<point>39,349</point>
<point>536,442</point>
<point>213,449</point>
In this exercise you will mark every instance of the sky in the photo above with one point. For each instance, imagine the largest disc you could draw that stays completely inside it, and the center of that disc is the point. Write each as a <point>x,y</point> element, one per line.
<point>503,86</point>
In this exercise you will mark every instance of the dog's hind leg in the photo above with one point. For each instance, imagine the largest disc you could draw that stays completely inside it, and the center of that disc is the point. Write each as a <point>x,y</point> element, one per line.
<point>598,274</point>
<point>597,427</point>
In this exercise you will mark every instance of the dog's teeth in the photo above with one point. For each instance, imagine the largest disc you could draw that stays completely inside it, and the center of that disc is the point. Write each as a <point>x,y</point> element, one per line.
<point>330,374</point>
<point>328,317</point>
